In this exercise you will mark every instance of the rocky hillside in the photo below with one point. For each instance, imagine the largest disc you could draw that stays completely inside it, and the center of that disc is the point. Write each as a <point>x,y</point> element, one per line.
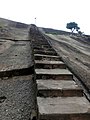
<point>74,49</point>
<point>13,30</point>
<point>75,52</point>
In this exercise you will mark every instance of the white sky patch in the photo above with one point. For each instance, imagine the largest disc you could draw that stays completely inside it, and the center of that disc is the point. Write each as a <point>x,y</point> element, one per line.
<point>49,13</point>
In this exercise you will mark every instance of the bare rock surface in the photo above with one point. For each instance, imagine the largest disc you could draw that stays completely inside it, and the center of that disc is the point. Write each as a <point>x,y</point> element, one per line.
<point>16,56</point>
<point>13,30</point>
<point>17,81</point>
<point>60,107</point>
<point>75,53</point>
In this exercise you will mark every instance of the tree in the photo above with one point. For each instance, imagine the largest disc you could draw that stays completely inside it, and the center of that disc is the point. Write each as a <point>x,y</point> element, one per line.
<point>73,26</point>
<point>77,29</point>
<point>80,33</point>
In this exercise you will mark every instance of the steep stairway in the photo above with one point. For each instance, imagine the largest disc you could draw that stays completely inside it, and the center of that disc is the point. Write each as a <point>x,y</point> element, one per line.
<point>59,97</point>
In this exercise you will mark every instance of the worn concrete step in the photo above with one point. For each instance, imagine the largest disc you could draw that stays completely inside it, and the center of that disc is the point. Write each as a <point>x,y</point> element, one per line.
<point>47,46</point>
<point>55,88</point>
<point>17,60</point>
<point>43,49</point>
<point>40,37</point>
<point>45,52</point>
<point>49,64</point>
<point>46,57</point>
<point>63,108</point>
<point>34,45</point>
<point>43,46</point>
<point>56,74</point>
<point>38,43</point>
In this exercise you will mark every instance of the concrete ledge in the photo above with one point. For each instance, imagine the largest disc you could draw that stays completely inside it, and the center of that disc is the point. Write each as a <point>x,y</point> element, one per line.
<point>70,108</point>
<point>45,52</point>
<point>49,64</point>
<point>17,60</point>
<point>56,88</point>
<point>17,72</point>
<point>46,57</point>
<point>55,74</point>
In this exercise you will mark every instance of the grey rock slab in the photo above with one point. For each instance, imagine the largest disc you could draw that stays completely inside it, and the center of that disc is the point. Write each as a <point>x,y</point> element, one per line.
<point>53,71</point>
<point>16,57</point>
<point>45,52</point>
<point>58,88</point>
<point>46,57</point>
<point>56,84</point>
<point>55,74</point>
<point>45,64</point>
<point>5,44</point>
<point>48,62</point>
<point>63,105</point>
<point>40,48</point>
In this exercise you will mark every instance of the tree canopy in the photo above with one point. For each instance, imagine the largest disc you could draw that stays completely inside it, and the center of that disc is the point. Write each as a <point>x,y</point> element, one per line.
<point>72,26</point>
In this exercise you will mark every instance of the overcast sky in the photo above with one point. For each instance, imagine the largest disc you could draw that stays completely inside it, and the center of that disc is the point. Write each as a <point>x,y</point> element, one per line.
<point>48,13</point>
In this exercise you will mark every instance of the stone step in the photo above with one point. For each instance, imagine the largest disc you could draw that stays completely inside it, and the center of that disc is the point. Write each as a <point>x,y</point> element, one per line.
<point>55,88</point>
<point>40,43</point>
<point>17,60</point>
<point>49,64</point>
<point>34,45</point>
<point>42,46</point>
<point>43,49</point>
<point>47,46</point>
<point>46,57</point>
<point>63,108</point>
<point>56,74</point>
<point>45,52</point>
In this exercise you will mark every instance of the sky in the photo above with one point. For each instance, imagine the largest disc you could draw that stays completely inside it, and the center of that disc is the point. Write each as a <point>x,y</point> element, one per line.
<point>48,13</point>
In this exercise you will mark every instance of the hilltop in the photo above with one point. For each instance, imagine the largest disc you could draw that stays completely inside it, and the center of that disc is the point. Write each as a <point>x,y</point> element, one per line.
<point>13,30</point>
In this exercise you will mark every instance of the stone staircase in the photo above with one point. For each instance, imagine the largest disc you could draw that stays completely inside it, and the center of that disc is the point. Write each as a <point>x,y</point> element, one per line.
<point>58,96</point>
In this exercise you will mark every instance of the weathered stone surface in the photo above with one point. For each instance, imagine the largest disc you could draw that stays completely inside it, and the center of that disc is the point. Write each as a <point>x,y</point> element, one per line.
<point>17,97</point>
<point>75,52</point>
<point>47,46</point>
<point>33,30</point>
<point>49,64</point>
<point>40,43</point>
<point>17,80</point>
<point>17,59</point>
<point>46,57</point>
<point>41,48</point>
<point>45,52</point>
<point>5,45</point>
<point>51,105</point>
<point>56,88</point>
<point>56,74</point>
<point>68,108</point>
